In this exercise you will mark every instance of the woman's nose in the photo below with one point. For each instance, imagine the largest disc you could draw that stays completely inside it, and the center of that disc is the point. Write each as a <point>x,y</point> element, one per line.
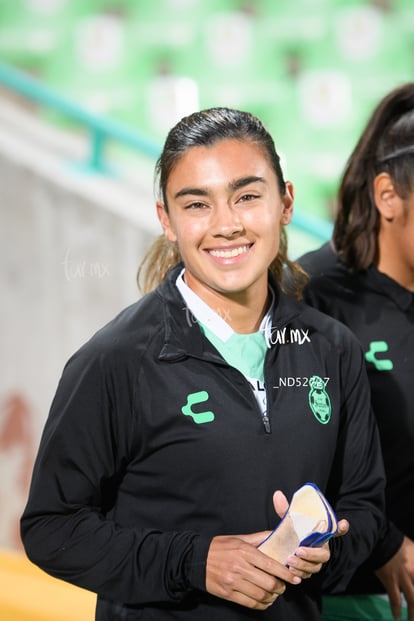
<point>226,221</point>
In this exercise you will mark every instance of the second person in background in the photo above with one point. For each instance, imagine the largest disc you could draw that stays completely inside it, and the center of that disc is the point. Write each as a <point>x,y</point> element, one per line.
<point>365,278</point>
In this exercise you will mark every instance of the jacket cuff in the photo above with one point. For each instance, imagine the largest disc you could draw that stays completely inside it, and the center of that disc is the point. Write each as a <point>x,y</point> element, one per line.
<point>387,546</point>
<point>197,561</point>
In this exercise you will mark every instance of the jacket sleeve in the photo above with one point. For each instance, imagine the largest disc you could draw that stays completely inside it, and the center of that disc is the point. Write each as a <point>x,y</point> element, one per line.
<point>388,545</point>
<point>357,480</point>
<point>83,453</point>
<point>391,537</point>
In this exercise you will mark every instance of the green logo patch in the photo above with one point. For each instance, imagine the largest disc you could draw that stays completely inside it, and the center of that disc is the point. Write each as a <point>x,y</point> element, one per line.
<point>195,398</point>
<point>319,401</point>
<point>378,347</point>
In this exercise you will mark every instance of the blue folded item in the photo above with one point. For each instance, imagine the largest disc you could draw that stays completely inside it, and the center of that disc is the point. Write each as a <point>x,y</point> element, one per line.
<point>309,521</point>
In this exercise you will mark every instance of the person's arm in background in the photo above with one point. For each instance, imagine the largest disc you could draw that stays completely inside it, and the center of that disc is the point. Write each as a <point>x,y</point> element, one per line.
<point>397,576</point>
<point>357,481</point>
<point>392,560</point>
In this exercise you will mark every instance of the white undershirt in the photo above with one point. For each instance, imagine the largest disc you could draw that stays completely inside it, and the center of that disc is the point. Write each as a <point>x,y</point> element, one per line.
<point>214,322</point>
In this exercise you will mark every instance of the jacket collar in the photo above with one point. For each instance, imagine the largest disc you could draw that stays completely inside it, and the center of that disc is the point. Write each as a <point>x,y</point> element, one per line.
<point>391,288</point>
<point>182,334</point>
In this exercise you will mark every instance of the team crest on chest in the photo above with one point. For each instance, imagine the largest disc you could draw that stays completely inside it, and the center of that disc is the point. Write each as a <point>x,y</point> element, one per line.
<point>319,401</point>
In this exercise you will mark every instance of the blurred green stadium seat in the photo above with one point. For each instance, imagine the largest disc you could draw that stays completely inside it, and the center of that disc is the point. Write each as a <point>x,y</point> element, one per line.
<point>312,70</point>
<point>32,31</point>
<point>93,65</point>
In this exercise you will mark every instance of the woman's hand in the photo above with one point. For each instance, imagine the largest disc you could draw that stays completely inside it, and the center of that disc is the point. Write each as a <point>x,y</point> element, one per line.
<point>306,561</point>
<point>397,576</point>
<point>237,571</point>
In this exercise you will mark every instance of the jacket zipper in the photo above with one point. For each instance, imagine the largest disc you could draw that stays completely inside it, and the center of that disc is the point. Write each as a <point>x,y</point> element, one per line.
<point>265,418</point>
<point>266,422</point>
<point>263,415</point>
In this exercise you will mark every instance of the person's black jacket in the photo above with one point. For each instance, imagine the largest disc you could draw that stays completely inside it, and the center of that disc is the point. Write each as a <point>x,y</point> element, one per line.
<point>154,445</point>
<point>381,314</point>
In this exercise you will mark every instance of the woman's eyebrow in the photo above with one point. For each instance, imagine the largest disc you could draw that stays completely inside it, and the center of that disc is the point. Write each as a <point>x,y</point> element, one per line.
<point>233,185</point>
<point>192,191</point>
<point>243,181</point>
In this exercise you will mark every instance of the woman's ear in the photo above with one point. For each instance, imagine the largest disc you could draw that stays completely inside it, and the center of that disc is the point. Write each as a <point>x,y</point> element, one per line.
<point>387,201</point>
<point>287,200</point>
<point>165,222</point>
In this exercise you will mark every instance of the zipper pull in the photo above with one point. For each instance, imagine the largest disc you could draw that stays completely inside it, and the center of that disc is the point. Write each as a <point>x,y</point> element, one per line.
<point>266,423</point>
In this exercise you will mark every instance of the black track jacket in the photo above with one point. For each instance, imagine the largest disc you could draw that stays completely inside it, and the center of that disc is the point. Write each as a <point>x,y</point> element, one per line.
<point>381,314</point>
<point>154,445</point>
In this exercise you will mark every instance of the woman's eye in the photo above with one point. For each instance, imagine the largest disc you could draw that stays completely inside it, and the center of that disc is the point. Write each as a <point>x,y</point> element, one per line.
<point>248,197</point>
<point>195,206</point>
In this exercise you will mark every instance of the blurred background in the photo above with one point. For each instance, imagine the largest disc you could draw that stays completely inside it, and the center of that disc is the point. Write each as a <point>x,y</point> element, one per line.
<point>88,91</point>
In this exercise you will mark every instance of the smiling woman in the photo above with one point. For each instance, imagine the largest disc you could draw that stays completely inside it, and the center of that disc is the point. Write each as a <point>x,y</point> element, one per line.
<point>232,148</point>
<point>168,449</point>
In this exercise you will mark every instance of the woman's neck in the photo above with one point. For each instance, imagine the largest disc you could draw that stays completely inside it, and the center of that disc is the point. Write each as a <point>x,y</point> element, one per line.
<point>243,310</point>
<point>391,263</point>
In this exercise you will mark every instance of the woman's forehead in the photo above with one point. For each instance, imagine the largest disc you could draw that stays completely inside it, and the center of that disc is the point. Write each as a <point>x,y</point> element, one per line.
<point>224,160</point>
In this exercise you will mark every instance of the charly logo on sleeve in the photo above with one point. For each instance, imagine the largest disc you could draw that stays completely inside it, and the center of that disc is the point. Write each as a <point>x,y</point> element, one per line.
<point>381,364</point>
<point>319,401</point>
<point>195,398</point>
